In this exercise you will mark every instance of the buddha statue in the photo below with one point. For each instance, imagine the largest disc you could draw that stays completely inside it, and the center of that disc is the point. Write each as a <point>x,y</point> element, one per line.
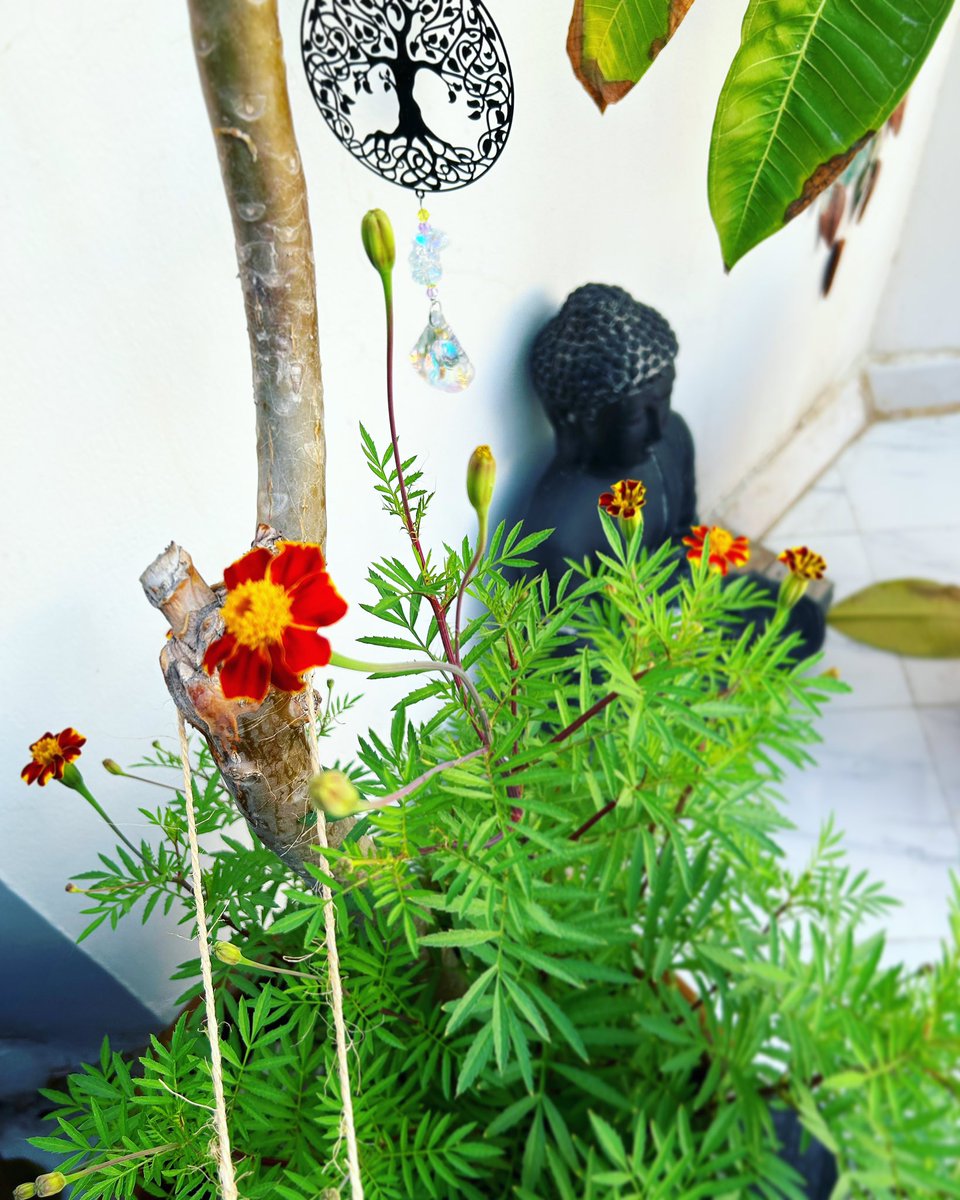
<point>604,370</point>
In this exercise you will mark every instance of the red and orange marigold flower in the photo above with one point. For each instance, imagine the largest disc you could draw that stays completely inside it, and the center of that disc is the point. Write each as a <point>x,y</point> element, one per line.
<point>803,562</point>
<point>624,502</point>
<point>51,753</point>
<point>725,550</point>
<point>273,607</point>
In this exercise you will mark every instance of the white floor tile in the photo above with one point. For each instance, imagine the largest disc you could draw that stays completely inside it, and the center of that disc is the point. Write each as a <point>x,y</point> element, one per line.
<point>876,680</point>
<point>889,765</point>
<point>824,509</point>
<point>933,680</point>
<point>903,474</point>
<point>922,553</point>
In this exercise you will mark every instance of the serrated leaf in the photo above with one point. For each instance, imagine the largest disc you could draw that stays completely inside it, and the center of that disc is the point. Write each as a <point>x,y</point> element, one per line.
<point>459,937</point>
<point>810,84</point>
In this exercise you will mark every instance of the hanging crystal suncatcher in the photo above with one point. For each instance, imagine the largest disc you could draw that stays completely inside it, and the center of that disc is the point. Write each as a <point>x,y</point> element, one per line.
<point>438,356</point>
<point>421,92</point>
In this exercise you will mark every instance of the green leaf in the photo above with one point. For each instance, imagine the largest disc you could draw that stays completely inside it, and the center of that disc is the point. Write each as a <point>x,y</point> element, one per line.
<point>905,616</point>
<point>812,80</point>
<point>459,937</point>
<point>476,1058</point>
<point>612,43</point>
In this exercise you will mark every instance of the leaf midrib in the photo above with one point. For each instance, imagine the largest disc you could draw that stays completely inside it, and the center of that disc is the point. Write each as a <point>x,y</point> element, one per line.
<point>787,93</point>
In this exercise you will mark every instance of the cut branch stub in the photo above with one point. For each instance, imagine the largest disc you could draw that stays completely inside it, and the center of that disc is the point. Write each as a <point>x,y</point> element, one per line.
<point>240,58</point>
<point>261,751</point>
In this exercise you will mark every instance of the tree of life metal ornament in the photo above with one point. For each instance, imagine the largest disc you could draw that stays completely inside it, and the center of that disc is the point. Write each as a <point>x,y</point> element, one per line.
<point>376,68</point>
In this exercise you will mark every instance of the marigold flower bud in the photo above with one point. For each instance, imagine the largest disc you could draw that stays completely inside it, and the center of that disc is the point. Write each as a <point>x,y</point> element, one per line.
<point>481,476</point>
<point>111,765</point>
<point>24,1191</point>
<point>228,953</point>
<point>335,793</point>
<point>377,234</point>
<point>50,1185</point>
<point>624,502</point>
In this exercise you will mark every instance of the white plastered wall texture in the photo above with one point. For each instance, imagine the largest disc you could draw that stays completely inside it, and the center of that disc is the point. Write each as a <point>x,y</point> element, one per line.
<point>125,380</point>
<point>915,347</point>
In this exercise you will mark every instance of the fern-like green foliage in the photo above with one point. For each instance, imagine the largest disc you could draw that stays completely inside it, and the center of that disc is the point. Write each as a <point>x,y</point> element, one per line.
<point>576,964</point>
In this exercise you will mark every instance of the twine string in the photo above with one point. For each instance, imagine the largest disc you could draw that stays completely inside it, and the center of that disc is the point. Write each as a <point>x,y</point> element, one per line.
<point>224,1159</point>
<point>333,966</point>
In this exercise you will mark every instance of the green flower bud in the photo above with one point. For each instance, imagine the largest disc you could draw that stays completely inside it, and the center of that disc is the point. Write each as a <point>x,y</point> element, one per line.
<point>50,1185</point>
<point>228,953</point>
<point>334,793</point>
<point>25,1191</point>
<point>72,778</point>
<point>481,476</point>
<point>113,767</point>
<point>377,234</point>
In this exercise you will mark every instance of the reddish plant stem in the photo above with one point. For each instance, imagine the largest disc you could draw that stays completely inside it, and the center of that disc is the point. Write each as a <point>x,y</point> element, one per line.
<point>593,710</point>
<point>513,791</point>
<point>598,815</point>
<point>438,610</point>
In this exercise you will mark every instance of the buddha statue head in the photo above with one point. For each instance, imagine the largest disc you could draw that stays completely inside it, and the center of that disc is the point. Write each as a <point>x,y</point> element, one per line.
<point>604,369</point>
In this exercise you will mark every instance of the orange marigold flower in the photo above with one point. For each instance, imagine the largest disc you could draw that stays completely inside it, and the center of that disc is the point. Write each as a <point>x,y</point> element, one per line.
<point>51,753</point>
<point>273,607</point>
<point>726,551</point>
<point>803,562</point>
<point>624,501</point>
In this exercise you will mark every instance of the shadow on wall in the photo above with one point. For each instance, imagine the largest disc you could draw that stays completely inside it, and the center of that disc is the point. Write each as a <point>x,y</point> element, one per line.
<point>56,1003</point>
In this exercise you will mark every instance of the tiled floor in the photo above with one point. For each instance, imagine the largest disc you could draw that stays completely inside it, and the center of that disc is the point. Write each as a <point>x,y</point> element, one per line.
<point>889,766</point>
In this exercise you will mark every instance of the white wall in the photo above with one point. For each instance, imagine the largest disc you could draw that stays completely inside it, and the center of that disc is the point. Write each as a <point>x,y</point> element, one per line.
<point>916,340</point>
<point>125,380</point>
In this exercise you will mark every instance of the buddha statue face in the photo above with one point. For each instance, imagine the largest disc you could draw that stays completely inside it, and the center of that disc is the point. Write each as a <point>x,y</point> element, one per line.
<point>603,367</point>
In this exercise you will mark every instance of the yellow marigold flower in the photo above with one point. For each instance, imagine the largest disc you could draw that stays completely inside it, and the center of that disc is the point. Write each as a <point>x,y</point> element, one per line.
<point>624,502</point>
<point>725,550</point>
<point>51,754</point>
<point>803,562</point>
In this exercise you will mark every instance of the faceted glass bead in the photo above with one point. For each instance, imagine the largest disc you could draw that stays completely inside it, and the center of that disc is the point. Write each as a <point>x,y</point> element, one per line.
<point>425,255</point>
<point>439,357</point>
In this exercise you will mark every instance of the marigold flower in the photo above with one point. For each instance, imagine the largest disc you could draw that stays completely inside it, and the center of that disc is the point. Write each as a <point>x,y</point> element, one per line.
<point>803,562</point>
<point>624,502</point>
<point>51,753</point>
<point>273,607</point>
<point>803,565</point>
<point>725,551</point>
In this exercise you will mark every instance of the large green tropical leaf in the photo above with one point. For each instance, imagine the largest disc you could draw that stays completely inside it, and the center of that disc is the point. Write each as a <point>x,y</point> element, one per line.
<point>812,80</point>
<point>611,43</point>
<point>905,616</point>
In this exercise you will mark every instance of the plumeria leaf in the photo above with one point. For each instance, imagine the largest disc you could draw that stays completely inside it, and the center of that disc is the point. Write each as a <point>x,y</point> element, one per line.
<point>813,80</point>
<point>905,616</point>
<point>612,43</point>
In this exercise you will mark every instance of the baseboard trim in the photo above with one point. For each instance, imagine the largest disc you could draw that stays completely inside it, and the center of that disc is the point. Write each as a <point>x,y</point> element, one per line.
<point>914,385</point>
<point>825,430</point>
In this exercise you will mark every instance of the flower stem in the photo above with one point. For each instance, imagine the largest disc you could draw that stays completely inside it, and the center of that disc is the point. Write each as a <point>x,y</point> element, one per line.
<point>400,793</point>
<point>440,616</point>
<point>115,1162</point>
<point>467,576</point>
<point>417,666</point>
<point>73,779</point>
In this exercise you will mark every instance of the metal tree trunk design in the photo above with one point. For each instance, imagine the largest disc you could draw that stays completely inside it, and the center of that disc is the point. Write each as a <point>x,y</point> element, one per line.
<point>261,750</point>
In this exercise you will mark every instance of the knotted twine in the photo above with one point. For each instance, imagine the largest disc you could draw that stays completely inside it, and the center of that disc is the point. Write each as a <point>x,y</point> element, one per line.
<point>333,965</point>
<point>228,1184</point>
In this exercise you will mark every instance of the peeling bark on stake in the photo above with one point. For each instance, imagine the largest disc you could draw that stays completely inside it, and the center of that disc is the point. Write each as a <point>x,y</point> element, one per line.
<point>240,59</point>
<point>261,751</point>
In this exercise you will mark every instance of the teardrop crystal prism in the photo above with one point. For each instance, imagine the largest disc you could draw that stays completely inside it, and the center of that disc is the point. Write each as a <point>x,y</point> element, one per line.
<point>439,357</point>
